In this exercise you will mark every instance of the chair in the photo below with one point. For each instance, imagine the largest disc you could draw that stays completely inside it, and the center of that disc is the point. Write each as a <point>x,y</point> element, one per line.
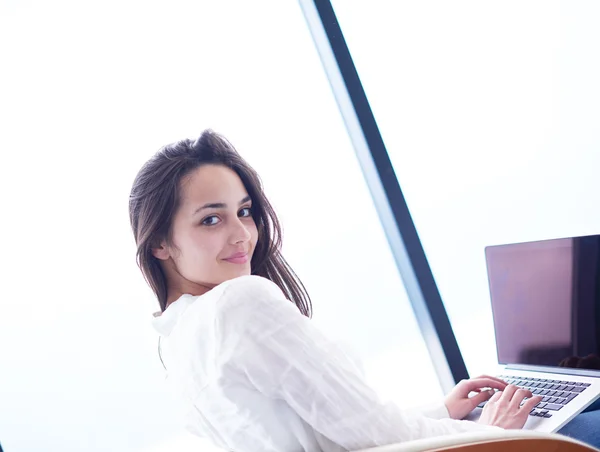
<point>494,441</point>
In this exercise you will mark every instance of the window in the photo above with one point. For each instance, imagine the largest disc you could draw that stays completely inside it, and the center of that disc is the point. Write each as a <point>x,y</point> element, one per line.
<point>92,91</point>
<point>489,111</point>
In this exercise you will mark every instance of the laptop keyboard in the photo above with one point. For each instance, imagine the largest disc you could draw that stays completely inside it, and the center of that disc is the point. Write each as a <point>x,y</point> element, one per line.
<point>556,393</point>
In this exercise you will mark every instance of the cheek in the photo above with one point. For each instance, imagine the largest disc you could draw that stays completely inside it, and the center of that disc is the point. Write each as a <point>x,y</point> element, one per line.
<point>198,249</point>
<point>253,234</point>
<point>207,247</point>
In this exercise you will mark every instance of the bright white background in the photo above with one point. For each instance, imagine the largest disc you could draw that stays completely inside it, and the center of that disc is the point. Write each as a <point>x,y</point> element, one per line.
<point>89,91</point>
<point>489,113</point>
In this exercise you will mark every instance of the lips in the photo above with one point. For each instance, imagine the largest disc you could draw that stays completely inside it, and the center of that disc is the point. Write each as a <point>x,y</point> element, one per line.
<point>237,258</point>
<point>236,255</point>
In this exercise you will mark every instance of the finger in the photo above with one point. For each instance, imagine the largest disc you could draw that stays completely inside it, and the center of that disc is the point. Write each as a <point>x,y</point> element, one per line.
<point>530,404</point>
<point>482,397</point>
<point>480,383</point>
<point>487,382</point>
<point>499,380</point>
<point>509,392</point>
<point>518,397</point>
<point>496,396</point>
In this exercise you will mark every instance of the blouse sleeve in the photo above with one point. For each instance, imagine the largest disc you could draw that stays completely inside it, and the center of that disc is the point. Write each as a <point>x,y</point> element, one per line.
<point>268,343</point>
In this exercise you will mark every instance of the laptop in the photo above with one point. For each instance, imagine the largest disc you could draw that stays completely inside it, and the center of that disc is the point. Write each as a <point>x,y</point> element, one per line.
<point>545,299</point>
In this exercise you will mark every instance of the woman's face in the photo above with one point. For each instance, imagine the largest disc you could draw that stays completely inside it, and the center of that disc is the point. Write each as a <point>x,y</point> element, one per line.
<point>214,234</point>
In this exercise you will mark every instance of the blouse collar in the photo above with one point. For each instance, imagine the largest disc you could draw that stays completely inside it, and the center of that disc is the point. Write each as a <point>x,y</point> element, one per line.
<point>165,322</point>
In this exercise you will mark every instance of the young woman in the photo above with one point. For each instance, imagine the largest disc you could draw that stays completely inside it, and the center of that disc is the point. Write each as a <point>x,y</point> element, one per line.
<point>236,338</point>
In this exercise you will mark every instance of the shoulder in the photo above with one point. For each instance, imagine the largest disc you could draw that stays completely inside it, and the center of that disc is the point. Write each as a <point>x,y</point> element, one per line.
<point>252,297</point>
<point>251,285</point>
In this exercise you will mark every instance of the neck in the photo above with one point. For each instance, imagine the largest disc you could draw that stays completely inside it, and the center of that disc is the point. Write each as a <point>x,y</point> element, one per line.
<point>173,294</point>
<point>177,285</point>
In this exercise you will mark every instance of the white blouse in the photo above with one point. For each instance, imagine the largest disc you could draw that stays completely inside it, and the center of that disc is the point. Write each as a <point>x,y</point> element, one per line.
<point>255,375</point>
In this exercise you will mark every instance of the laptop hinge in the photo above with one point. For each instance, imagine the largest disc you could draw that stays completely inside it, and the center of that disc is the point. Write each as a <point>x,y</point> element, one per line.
<point>555,370</point>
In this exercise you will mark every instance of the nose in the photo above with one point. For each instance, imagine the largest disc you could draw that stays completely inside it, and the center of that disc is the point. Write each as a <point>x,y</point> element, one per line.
<point>240,233</point>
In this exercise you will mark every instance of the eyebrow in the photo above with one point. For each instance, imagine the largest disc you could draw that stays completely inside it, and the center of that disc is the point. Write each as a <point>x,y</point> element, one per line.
<point>219,205</point>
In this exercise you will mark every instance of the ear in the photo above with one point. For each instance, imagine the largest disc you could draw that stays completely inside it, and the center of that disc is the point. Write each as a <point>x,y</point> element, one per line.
<point>161,252</point>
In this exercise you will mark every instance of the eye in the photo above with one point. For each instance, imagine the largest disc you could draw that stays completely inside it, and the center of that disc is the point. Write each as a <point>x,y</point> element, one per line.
<point>245,212</point>
<point>210,221</point>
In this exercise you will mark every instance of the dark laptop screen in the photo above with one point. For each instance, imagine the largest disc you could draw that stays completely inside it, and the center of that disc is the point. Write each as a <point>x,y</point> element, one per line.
<point>545,302</point>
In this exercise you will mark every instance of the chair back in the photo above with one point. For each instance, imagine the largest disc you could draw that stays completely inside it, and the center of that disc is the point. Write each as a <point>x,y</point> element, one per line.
<point>491,441</point>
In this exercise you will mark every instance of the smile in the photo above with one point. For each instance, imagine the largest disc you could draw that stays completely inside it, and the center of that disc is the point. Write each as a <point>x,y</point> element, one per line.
<point>238,258</point>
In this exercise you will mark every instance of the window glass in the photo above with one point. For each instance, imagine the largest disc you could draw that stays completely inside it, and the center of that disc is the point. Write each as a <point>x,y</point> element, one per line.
<point>489,111</point>
<point>90,90</point>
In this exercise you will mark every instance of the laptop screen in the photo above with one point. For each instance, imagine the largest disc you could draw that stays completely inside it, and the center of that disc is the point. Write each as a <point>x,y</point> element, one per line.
<point>546,302</point>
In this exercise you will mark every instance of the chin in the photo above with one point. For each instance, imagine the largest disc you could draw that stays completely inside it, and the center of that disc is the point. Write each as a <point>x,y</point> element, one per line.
<point>244,271</point>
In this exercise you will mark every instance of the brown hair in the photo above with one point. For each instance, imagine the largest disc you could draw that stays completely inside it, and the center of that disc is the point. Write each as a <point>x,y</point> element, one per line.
<point>155,198</point>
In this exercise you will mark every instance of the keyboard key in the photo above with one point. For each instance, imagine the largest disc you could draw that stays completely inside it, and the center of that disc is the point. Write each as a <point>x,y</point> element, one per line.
<point>570,397</point>
<point>556,393</point>
<point>552,407</point>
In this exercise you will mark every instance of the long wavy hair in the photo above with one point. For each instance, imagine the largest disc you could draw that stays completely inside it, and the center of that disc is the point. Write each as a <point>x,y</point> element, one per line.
<point>155,198</point>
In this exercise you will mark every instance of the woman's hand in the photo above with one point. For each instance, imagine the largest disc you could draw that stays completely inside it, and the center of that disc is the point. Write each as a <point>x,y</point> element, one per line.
<point>504,408</point>
<point>458,402</point>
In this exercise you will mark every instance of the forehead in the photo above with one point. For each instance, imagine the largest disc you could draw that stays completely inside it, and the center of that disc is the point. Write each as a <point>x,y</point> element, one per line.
<point>211,183</point>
